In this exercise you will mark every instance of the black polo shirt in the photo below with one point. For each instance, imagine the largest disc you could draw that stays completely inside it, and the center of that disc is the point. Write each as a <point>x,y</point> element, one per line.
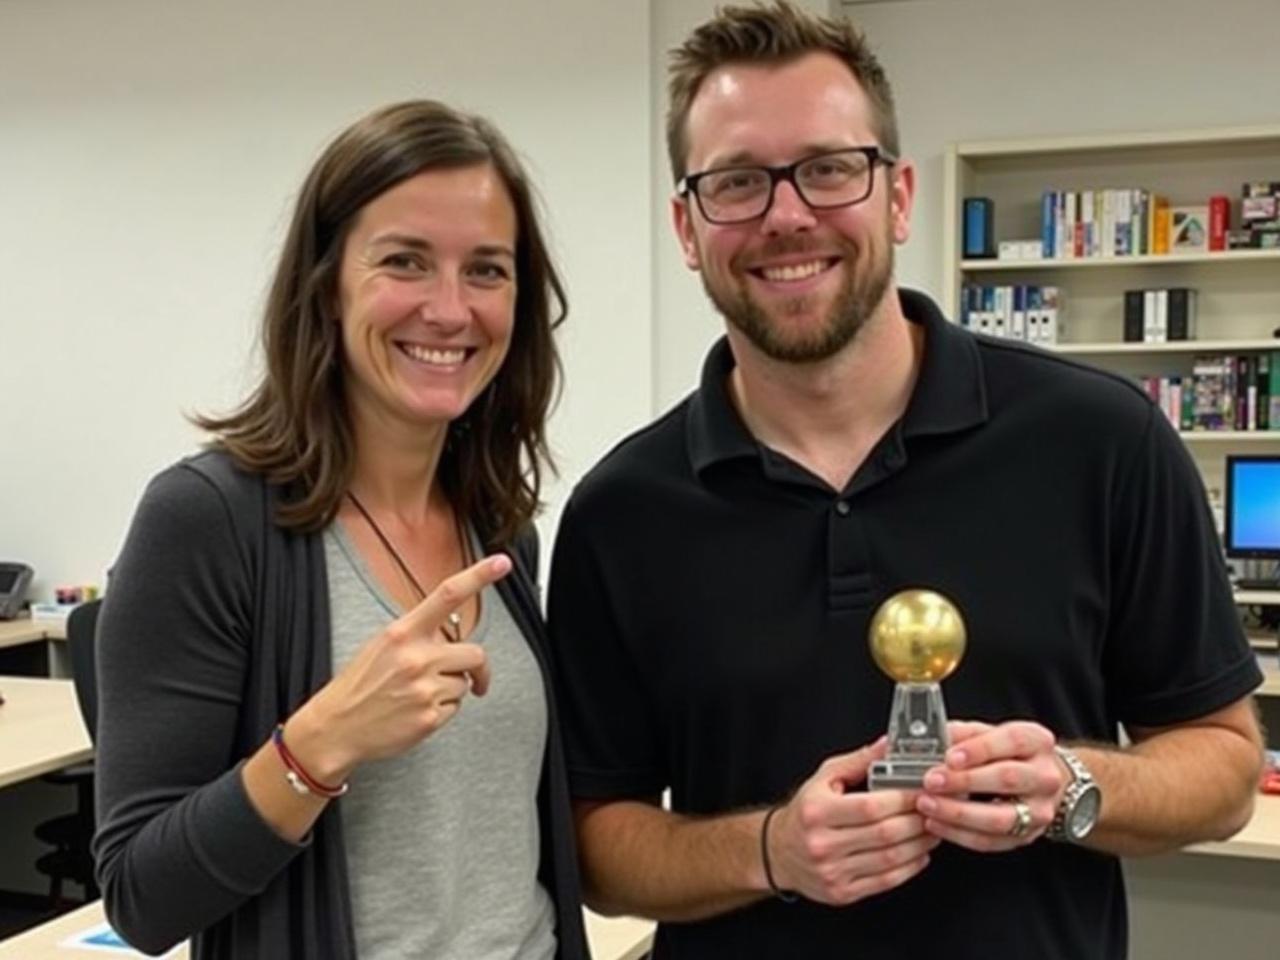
<point>710,599</point>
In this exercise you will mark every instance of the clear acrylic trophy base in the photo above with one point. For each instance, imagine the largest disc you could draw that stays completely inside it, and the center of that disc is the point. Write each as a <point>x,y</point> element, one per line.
<point>917,738</point>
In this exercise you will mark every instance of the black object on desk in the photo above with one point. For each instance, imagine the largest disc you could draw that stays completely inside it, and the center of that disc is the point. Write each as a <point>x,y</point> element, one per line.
<point>14,580</point>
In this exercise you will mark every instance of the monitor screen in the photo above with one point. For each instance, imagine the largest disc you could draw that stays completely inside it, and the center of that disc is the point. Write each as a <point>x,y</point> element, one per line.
<point>1252,519</point>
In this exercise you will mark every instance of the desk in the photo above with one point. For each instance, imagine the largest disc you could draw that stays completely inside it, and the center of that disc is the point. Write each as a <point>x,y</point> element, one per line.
<point>611,938</point>
<point>24,630</point>
<point>1259,840</point>
<point>1212,899</point>
<point>26,648</point>
<point>40,728</point>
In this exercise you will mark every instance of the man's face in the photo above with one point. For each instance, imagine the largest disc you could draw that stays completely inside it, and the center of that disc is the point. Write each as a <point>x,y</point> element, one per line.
<point>797,282</point>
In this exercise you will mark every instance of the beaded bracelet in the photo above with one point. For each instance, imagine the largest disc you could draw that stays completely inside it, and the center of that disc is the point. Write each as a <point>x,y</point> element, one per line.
<point>301,781</point>
<point>787,896</point>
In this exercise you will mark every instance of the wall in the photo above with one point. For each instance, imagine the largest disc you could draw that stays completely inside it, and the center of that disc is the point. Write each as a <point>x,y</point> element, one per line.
<point>149,152</point>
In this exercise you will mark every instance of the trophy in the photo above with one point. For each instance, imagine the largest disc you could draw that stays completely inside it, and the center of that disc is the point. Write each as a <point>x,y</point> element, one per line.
<point>917,638</point>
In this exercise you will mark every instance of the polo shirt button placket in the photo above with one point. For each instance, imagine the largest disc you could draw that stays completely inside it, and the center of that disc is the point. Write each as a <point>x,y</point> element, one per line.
<point>843,508</point>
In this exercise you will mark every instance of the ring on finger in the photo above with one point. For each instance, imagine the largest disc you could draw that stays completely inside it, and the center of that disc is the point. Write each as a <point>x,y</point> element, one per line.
<point>1021,819</point>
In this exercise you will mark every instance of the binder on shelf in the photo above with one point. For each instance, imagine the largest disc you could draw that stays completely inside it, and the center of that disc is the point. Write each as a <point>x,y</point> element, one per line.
<point>1133,314</point>
<point>1018,324</point>
<point>1160,323</point>
<point>1181,313</point>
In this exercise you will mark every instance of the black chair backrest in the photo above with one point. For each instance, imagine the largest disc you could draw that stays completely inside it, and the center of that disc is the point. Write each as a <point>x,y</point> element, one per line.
<point>82,624</point>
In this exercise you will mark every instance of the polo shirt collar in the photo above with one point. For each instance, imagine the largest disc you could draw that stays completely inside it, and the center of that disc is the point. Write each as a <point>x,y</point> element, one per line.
<point>949,395</point>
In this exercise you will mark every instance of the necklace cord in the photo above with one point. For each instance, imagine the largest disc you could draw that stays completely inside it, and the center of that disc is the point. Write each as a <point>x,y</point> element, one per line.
<point>452,628</point>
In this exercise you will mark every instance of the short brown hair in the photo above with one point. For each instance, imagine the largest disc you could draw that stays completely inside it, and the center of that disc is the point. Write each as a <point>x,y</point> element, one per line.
<point>294,426</point>
<point>774,34</point>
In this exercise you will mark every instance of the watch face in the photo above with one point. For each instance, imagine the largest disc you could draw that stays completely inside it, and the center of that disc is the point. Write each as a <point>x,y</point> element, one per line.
<point>1084,815</point>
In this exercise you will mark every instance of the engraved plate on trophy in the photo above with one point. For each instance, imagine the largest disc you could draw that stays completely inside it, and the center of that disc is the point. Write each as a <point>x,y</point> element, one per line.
<point>917,638</point>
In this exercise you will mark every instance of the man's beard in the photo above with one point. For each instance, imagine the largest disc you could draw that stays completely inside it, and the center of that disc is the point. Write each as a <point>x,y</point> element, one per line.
<point>860,294</point>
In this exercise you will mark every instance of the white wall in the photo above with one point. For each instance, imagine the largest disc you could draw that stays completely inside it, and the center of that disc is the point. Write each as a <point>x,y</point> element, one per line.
<point>149,151</point>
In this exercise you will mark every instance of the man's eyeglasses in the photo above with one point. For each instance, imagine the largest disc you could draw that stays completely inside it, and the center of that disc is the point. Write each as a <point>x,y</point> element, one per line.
<point>837,178</point>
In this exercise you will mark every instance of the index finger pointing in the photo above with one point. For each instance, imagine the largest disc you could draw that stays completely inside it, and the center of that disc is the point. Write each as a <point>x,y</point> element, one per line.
<point>428,615</point>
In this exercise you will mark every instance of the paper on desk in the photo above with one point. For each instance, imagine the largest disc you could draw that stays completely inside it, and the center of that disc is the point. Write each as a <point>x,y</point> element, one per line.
<point>102,939</point>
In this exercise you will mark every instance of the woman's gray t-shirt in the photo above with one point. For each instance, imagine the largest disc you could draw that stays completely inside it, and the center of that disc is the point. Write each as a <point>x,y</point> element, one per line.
<point>442,841</point>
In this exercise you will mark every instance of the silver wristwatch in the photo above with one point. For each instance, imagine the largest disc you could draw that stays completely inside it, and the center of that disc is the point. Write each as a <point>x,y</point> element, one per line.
<point>1077,814</point>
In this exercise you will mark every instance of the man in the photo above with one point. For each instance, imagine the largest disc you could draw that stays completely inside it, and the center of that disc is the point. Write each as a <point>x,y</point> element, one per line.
<point>715,576</point>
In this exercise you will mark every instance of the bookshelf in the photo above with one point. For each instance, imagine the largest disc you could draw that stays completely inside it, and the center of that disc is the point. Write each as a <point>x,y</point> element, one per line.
<point>1238,290</point>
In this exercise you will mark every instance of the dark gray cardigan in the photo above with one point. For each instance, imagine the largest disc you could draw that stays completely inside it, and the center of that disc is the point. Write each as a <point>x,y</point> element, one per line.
<point>215,628</point>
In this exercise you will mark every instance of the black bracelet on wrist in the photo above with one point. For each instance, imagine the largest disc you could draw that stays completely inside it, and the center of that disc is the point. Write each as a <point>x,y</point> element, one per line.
<point>787,896</point>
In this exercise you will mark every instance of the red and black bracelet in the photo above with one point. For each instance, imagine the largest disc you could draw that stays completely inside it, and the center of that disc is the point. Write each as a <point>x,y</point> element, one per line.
<point>301,781</point>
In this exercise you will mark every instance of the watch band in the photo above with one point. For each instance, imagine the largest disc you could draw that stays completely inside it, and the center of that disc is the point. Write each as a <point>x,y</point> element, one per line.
<point>1081,782</point>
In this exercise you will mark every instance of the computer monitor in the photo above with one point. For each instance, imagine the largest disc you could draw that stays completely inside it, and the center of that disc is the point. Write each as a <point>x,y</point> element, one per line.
<point>1252,508</point>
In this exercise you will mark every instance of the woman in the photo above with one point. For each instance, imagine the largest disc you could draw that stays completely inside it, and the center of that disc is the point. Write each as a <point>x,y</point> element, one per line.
<point>325,731</point>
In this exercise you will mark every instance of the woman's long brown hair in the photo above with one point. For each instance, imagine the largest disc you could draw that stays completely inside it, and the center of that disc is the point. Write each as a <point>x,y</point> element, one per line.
<point>294,426</point>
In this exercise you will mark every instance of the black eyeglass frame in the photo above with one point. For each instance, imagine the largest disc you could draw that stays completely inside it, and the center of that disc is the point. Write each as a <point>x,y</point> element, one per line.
<point>688,184</point>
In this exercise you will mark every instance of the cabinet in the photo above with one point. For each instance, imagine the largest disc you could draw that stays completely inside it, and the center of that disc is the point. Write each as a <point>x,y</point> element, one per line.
<point>1238,290</point>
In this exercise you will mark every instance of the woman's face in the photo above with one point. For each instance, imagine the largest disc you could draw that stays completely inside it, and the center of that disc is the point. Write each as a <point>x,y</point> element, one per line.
<point>427,293</point>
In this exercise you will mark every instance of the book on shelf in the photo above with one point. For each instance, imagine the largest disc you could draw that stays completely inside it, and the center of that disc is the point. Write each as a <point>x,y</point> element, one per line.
<point>1219,221</point>
<point>1048,210</point>
<point>1131,221</point>
<point>1213,396</point>
<point>1264,391</point>
<point>1228,392</point>
<point>1188,229</point>
<point>1273,394</point>
<point>1160,225</point>
<point>1259,217</point>
<point>1245,406</point>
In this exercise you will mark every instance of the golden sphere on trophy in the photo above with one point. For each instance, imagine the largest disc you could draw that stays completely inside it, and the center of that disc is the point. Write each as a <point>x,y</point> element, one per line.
<point>917,636</point>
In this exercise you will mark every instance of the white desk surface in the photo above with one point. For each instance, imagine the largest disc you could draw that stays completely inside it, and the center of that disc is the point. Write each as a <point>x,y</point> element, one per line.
<point>621,938</point>
<point>1260,840</point>
<point>40,728</point>
<point>24,630</point>
<point>1270,677</point>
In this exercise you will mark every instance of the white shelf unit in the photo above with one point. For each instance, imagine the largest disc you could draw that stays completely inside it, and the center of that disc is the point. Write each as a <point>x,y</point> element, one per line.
<point>1259,598</point>
<point>1104,348</point>
<point>1270,678</point>
<point>1238,290</point>
<point>1217,258</point>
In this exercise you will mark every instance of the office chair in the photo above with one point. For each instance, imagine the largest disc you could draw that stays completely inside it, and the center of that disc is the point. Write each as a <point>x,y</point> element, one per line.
<point>71,834</point>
